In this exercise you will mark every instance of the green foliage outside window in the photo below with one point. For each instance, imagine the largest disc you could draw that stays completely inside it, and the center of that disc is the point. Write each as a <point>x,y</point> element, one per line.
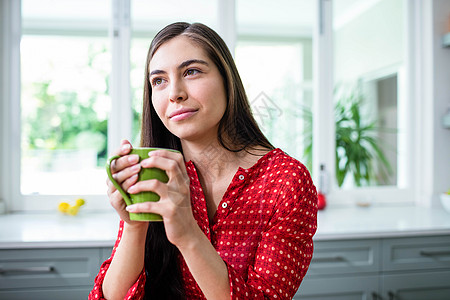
<point>61,120</point>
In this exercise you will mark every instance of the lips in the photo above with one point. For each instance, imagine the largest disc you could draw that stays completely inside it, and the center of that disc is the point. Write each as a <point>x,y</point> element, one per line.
<point>182,113</point>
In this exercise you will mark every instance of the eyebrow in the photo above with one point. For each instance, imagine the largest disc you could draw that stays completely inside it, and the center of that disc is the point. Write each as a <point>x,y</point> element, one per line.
<point>184,64</point>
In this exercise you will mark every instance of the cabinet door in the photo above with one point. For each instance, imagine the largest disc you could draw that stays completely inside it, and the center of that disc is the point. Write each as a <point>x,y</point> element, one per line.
<point>339,288</point>
<point>105,253</point>
<point>75,293</point>
<point>417,286</point>
<point>40,268</point>
<point>345,257</point>
<point>417,253</point>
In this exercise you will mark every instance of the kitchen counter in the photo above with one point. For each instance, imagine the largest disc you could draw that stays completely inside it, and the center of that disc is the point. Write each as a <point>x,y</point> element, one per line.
<point>381,222</point>
<point>100,229</point>
<point>57,230</point>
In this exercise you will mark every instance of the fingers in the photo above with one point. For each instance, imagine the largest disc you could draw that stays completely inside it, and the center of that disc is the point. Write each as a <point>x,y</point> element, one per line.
<point>166,154</point>
<point>164,209</point>
<point>171,162</point>
<point>153,185</point>
<point>174,165</point>
<point>169,210</point>
<point>146,207</point>
<point>115,198</point>
<point>125,147</point>
<point>126,173</point>
<point>125,168</point>
<point>174,195</point>
<point>124,162</point>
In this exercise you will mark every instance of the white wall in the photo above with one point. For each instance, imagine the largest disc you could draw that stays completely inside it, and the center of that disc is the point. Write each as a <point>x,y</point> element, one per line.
<point>441,99</point>
<point>370,42</point>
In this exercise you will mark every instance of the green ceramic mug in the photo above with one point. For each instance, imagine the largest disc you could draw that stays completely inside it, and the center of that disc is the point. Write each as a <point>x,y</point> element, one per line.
<point>144,174</point>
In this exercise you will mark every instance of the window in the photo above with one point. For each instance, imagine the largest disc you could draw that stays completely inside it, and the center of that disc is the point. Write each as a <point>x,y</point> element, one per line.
<point>65,83</point>
<point>65,64</point>
<point>145,23</point>
<point>370,58</point>
<point>302,62</point>
<point>274,57</point>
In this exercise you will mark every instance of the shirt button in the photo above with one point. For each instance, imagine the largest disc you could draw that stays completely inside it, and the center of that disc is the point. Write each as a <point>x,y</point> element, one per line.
<point>224,205</point>
<point>241,177</point>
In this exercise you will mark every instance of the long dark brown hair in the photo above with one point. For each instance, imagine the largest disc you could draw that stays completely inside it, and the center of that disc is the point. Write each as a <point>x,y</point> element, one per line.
<point>238,131</point>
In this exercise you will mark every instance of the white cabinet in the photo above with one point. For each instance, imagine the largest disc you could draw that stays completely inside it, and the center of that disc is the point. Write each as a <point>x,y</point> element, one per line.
<point>416,268</point>
<point>339,288</point>
<point>417,285</point>
<point>409,268</point>
<point>63,273</point>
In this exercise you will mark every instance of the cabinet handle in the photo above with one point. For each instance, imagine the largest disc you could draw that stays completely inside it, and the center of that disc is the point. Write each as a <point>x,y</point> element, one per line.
<point>434,253</point>
<point>391,295</point>
<point>329,259</point>
<point>48,269</point>
<point>376,296</point>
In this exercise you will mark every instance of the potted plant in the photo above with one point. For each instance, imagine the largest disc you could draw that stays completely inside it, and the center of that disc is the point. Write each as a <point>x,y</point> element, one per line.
<point>358,151</point>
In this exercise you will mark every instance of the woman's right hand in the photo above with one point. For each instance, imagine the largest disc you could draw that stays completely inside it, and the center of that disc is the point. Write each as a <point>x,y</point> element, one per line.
<point>125,171</point>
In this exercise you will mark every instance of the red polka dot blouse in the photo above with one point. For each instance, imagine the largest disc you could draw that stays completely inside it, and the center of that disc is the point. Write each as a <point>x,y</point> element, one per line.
<point>262,229</point>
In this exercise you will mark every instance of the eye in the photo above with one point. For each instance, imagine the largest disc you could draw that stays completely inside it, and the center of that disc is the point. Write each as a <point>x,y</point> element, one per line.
<point>156,81</point>
<point>191,72</point>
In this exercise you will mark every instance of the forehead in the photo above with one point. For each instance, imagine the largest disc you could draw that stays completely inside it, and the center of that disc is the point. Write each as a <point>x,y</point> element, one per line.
<point>175,51</point>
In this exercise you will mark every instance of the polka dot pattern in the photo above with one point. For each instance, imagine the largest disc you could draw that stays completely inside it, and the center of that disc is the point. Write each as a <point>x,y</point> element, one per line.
<point>262,229</point>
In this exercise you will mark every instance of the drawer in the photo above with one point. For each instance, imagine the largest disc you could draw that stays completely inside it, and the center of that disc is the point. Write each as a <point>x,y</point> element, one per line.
<point>105,253</point>
<point>72,293</point>
<point>433,285</point>
<point>33,268</point>
<point>417,253</point>
<point>345,257</point>
<point>338,288</point>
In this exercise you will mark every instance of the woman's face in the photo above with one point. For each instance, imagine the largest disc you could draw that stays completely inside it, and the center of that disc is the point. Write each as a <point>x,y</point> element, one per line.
<point>188,92</point>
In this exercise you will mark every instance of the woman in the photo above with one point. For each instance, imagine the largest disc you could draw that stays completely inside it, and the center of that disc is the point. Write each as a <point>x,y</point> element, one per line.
<point>238,214</point>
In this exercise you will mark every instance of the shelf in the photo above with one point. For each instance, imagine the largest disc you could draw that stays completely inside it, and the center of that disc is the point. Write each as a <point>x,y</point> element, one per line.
<point>446,40</point>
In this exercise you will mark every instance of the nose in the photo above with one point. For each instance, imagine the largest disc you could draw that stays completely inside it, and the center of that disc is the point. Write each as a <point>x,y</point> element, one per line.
<point>177,91</point>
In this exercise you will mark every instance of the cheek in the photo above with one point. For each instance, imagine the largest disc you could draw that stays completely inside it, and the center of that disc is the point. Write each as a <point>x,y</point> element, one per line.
<point>214,91</point>
<point>159,105</point>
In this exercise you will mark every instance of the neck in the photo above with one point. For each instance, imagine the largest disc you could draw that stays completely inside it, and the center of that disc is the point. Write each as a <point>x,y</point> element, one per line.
<point>211,159</point>
<point>214,162</point>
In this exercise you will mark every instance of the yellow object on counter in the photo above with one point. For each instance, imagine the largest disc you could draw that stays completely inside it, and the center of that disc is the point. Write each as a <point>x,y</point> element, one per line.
<point>72,210</point>
<point>63,207</point>
<point>80,202</point>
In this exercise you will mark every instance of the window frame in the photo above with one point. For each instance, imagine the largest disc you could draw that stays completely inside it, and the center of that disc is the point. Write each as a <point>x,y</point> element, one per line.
<point>407,192</point>
<point>411,192</point>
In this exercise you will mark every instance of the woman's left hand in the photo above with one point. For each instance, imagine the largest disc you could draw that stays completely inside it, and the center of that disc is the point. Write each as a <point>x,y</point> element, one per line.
<point>175,203</point>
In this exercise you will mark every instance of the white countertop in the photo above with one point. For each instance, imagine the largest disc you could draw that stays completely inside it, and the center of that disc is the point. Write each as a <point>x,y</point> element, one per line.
<point>100,229</point>
<point>381,222</point>
<point>57,230</point>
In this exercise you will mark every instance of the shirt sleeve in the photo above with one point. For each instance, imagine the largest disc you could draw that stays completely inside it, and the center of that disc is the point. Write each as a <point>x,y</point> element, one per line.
<point>136,292</point>
<point>286,248</point>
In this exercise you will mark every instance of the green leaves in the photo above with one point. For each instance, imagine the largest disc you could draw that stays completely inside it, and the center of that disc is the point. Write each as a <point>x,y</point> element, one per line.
<point>358,147</point>
<point>73,118</point>
<point>358,151</point>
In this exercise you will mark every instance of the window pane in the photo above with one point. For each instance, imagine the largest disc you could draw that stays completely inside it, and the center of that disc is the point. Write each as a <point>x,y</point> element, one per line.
<point>148,17</point>
<point>369,59</point>
<point>274,58</point>
<point>64,99</point>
